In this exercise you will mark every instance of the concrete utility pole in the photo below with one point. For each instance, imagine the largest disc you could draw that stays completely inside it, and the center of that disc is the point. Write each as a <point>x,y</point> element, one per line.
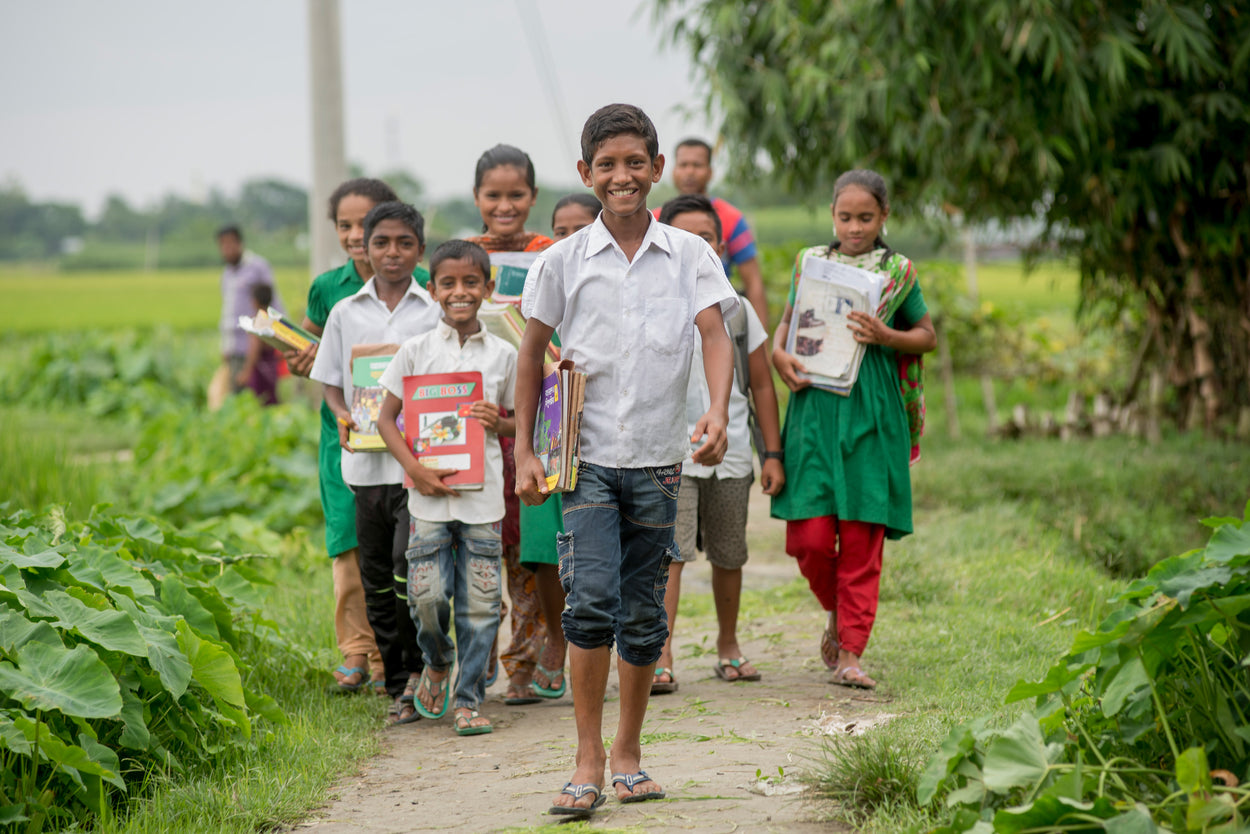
<point>329,155</point>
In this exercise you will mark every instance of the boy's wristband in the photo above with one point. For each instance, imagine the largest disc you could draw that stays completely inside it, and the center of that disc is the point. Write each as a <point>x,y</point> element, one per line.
<point>775,456</point>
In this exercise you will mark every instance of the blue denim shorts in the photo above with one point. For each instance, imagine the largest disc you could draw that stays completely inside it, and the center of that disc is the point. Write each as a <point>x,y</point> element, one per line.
<point>614,558</point>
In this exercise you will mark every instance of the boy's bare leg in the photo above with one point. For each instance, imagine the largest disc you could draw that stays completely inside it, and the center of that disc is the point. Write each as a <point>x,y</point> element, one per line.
<point>672,594</point>
<point>727,593</point>
<point>551,598</point>
<point>627,746</point>
<point>588,670</point>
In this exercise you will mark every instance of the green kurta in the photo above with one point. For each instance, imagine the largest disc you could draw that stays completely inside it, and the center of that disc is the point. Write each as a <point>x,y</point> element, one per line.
<point>848,456</point>
<point>338,504</point>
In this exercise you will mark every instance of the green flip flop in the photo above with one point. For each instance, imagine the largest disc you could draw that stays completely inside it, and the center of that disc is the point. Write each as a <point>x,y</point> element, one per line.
<point>552,692</point>
<point>427,686</point>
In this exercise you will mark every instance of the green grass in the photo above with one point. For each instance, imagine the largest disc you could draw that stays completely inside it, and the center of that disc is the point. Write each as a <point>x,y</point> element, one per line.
<point>39,467</point>
<point>187,299</point>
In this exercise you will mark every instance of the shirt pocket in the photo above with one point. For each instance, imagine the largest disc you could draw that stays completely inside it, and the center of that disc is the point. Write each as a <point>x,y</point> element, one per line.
<point>667,327</point>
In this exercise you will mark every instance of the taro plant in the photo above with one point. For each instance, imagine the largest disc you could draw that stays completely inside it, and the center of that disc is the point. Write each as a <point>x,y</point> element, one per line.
<point>1143,726</point>
<point>122,646</point>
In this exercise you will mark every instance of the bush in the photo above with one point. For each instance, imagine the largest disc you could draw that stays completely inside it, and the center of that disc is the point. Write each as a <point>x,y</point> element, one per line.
<point>121,656</point>
<point>1143,726</point>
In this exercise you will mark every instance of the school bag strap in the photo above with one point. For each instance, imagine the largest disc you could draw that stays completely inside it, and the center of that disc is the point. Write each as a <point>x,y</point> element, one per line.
<point>742,371</point>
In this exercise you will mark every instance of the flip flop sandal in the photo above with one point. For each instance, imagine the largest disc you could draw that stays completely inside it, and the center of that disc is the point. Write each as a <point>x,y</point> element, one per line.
<point>631,779</point>
<point>379,688</point>
<point>427,686</point>
<point>720,667</point>
<point>551,692</point>
<point>829,649</point>
<point>410,689</point>
<point>402,713</point>
<point>464,726</point>
<point>347,671</point>
<point>841,679</point>
<point>518,696</point>
<point>577,792</point>
<point>659,687</point>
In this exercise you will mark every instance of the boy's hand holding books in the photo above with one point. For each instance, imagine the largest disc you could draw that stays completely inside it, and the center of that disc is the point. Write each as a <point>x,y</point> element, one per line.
<point>429,481</point>
<point>346,425</point>
<point>300,362</point>
<point>531,477</point>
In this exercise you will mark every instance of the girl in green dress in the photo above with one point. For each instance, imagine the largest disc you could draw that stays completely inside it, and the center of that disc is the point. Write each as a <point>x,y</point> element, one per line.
<point>847,482</point>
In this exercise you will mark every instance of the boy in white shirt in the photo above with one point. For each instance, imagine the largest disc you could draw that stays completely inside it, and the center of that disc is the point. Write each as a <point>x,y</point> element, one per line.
<point>454,543</point>
<point>390,308</point>
<point>627,295</point>
<point>712,505</point>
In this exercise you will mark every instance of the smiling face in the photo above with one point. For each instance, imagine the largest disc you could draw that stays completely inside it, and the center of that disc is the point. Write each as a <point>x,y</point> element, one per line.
<point>622,173</point>
<point>857,220</point>
<point>504,200</point>
<point>349,222</point>
<point>568,219</point>
<point>692,169</point>
<point>394,251</point>
<point>459,286</point>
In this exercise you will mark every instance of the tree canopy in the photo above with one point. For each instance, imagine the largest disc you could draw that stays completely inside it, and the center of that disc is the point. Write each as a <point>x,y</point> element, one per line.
<point>1122,125</point>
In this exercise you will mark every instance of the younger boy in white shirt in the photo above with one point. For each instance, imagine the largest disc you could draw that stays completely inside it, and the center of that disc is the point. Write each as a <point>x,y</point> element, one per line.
<point>627,295</point>
<point>454,543</point>
<point>712,505</point>
<point>390,308</point>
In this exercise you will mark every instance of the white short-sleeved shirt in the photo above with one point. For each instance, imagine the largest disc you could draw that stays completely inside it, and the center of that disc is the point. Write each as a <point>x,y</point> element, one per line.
<point>630,327</point>
<point>439,352</point>
<point>363,319</point>
<point>738,462</point>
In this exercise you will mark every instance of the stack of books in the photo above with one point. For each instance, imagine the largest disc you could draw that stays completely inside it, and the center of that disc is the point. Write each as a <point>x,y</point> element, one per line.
<point>277,331</point>
<point>557,425</point>
<point>819,334</point>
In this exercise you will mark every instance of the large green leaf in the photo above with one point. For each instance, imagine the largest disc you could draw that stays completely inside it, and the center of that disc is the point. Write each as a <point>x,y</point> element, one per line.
<point>48,557</point>
<point>1058,677</point>
<point>1229,543</point>
<point>1129,678</point>
<point>175,599</point>
<point>64,754</point>
<point>16,631</point>
<point>1017,758</point>
<point>212,668</point>
<point>135,734</point>
<point>1048,813</point>
<point>119,573</point>
<point>1136,820</point>
<point>167,658</point>
<point>72,681</point>
<point>113,630</point>
<point>958,744</point>
<point>1193,775</point>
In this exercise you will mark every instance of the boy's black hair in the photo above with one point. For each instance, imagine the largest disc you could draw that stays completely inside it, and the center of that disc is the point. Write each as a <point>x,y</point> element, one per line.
<point>616,120</point>
<point>587,201</point>
<point>395,210</point>
<point>694,142</point>
<point>874,184</point>
<point>504,155</point>
<point>454,250</point>
<point>230,229</point>
<point>685,203</point>
<point>367,187</point>
<point>262,294</point>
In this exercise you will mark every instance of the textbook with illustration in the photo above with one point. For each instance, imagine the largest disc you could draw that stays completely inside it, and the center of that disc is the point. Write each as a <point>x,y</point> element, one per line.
<point>505,321</point>
<point>439,428</point>
<point>820,337</point>
<point>557,425</point>
<point>508,271</point>
<point>368,363</point>
<point>277,331</point>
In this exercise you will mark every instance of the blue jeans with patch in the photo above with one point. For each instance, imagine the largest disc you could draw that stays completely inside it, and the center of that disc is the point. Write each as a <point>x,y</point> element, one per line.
<point>455,565</point>
<point>614,558</point>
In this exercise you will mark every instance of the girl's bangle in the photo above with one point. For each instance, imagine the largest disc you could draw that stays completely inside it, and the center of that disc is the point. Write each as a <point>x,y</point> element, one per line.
<point>775,456</point>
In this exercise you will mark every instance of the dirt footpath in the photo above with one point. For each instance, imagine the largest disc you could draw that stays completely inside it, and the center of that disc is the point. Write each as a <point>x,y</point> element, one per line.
<point>728,754</point>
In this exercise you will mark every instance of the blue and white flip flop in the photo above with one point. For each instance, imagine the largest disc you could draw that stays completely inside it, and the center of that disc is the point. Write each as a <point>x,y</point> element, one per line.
<point>577,792</point>
<point>631,779</point>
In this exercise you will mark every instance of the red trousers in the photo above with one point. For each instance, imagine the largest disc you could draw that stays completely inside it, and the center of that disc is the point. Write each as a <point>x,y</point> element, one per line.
<point>841,561</point>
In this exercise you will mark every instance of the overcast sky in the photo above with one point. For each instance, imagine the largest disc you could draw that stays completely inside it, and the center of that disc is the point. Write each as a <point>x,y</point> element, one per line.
<point>142,97</point>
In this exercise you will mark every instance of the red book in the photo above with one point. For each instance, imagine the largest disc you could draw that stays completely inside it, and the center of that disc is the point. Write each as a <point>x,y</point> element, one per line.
<point>439,430</point>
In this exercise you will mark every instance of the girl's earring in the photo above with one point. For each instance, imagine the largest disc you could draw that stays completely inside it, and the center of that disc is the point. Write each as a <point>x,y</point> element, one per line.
<point>884,230</point>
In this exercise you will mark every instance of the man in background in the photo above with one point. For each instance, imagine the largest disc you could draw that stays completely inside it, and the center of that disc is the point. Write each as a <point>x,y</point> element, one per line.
<point>244,271</point>
<point>692,171</point>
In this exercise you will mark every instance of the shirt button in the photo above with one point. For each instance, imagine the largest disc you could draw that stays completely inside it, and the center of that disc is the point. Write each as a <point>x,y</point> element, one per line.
<point>620,427</point>
<point>627,353</point>
<point>624,392</point>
